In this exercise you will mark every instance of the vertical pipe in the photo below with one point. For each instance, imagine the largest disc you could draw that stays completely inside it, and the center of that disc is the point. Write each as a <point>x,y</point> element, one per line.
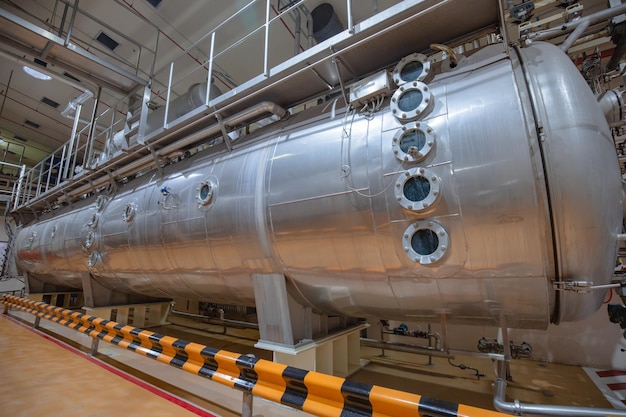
<point>39,176</point>
<point>267,40</point>
<point>36,322</point>
<point>169,93</point>
<point>63,19</point>
<point>69,30</point>
<point>209,80</point>
<point>350,21</point>
<point>298,30</point>
<point>430,345</point>
<point>309,25</point>
<point>246,406</point>
<point>143,118</point>
<point>504,365</point>
<point>74,143</point>
<point>94,346</point>
<point>92,129</point>
<point>72,140</point>
<point>19,187</point>
<point>503,29</point>
<point>444,333</point>
<point>50,166</point>
<point>60,175</point>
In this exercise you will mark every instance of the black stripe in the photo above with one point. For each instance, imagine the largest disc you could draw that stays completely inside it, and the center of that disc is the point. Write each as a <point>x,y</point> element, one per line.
<point>247,375</point>
<point>119,326</point>
<point>356,400</point>
<point>210,364</point>
<point>155,340</point>
<point>295,392</point>
<point>432,407</point>
<point>135,331</point>
<point>181,356</point>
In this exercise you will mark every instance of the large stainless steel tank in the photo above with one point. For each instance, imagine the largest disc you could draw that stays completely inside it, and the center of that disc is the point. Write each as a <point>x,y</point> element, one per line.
<point>515,186</point>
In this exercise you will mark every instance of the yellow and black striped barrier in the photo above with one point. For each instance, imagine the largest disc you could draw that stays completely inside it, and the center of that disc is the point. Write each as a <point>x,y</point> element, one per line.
<point>309,391</point>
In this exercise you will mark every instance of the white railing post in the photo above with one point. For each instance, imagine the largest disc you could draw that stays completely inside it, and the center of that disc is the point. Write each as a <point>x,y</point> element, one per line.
<point>266,70</point>
<point>210,74</point>
<point>169,93</point>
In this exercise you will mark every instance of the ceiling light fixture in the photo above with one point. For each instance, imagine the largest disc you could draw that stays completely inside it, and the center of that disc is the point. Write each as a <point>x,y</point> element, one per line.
<point>36,74</point>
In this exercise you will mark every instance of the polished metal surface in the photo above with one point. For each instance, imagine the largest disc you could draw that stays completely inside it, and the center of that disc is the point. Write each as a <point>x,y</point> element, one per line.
<point>314,198</point>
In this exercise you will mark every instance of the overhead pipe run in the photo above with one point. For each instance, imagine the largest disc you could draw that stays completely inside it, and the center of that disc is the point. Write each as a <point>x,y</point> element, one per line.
<point>571,26</point>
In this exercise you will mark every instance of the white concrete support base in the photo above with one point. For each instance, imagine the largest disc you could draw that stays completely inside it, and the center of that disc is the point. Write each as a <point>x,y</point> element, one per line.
<point>59,299</point>
<point>137,315</point>
<point>338,354</point>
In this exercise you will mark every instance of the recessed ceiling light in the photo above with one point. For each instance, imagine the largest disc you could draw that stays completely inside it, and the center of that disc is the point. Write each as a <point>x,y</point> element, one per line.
<point>36,74</point>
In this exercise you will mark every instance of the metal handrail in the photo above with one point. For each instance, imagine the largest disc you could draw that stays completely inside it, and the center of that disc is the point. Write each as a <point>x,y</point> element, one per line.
<point>312,392</point>
<point>213,107</point>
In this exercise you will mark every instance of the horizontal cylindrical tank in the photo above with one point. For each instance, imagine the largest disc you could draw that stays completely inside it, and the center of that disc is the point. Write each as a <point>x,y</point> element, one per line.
<point>470,197</point>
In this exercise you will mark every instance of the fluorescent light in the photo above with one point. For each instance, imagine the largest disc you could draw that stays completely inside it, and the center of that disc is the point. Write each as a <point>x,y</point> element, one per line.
<point>36,74</point>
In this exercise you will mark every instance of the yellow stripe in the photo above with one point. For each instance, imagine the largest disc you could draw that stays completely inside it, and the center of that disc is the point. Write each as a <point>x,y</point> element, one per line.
<point>270,384</point>
<point>146,345</point>
<point>227,370</point>
<point>388,402</point>
<point>195,359</point>
<point>324,396</point>
<point>168,352</point>
<point>467,411</point>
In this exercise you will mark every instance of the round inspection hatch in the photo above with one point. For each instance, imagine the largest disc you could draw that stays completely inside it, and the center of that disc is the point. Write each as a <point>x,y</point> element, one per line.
<point>413,142</point>
<point>417,189</point>
<point>414,67</point>
<point>129,213</point>
<point>411,101</point>
<point>426,242</point>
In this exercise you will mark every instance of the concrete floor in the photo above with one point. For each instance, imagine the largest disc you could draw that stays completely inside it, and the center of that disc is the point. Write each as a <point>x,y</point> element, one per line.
<point>46,376</point>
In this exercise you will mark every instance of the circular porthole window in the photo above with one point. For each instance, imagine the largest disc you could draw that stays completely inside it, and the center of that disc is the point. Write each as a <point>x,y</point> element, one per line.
<point>414,67</point>
<point>413,142</point>
<point>426,242</point>
<point>411,101</point>
<point>417,189</point>
<point>205,193</point>
<point>129,213</point>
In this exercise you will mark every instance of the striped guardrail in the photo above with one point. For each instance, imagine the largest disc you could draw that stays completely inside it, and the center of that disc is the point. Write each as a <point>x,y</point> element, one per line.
<point>309,391</point>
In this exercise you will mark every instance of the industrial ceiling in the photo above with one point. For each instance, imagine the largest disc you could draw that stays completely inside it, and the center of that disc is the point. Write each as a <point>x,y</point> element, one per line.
<point>117,46</point>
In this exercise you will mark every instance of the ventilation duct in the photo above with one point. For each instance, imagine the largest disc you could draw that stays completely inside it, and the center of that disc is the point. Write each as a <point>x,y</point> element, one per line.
<point>326,24</point>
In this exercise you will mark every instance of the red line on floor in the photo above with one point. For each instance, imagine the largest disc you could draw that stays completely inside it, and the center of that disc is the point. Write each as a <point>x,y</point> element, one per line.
<point>617,386</point>
<point>154,390</point>
<point>610,372</point>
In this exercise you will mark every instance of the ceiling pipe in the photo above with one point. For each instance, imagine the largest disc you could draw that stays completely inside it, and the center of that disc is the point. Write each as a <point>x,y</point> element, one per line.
<point>309,25</point>
<point>573,37</point>
<point>570,26</point>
